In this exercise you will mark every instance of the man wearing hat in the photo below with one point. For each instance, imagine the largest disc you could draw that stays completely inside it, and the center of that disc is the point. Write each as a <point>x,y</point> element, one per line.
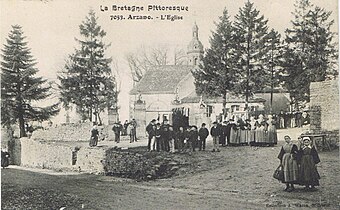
<point>117,128</point>
<point>215,133</point>
<point>148,131</point>
<point>203,133</point>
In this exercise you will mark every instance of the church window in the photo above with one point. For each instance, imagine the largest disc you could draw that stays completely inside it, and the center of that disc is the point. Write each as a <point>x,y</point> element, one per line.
<point>195,61</point>
<point>209,110</point>
<point>235,108</point>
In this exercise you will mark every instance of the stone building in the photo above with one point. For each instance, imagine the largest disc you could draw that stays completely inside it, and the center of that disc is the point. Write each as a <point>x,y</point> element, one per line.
<point>325,111</point>
<point>324,105</point>
<point>168,92</point>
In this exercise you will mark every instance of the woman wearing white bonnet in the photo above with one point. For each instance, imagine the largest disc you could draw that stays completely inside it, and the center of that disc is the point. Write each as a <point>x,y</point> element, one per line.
<point>308,173</point>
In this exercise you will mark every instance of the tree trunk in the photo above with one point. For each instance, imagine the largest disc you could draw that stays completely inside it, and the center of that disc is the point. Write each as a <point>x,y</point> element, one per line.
<point>99,119</point>
<point>224,103</point>
<point>22,125</point>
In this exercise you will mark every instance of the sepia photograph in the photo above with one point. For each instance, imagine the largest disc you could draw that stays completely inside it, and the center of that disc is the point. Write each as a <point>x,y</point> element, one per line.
<point>169,104</point>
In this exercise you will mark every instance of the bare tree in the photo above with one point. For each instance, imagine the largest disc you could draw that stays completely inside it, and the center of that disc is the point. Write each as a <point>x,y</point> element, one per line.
<point>180,57</point>
<point>145,57</point>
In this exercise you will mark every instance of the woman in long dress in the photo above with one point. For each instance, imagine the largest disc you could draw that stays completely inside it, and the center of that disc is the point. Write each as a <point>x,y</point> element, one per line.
<point>261,131</point>
<point>309,175</point>
<point>233,133</point>
<point>288,157</point>
<point>252,131</point>
<point>94,136</point>
<point>271,134</point>
<point>242,130</point>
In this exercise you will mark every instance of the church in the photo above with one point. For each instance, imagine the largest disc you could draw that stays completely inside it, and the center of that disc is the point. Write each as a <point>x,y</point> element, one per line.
<point>168,92</point>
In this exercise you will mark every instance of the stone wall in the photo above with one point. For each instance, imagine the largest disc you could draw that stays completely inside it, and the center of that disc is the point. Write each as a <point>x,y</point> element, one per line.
<point>70,132</point>
<point>45,154</point>
<point>57,156</point>
<point>90,159</point>
<point>14,149</point>
<point>325,96</point>
<point>325,109</point>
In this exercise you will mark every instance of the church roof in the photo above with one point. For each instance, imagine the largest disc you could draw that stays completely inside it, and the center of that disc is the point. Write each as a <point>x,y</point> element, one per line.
<point>194,98</point>
<point>161,79</point>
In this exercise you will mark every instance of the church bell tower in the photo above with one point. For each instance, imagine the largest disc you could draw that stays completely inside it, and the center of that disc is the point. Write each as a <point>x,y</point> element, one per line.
<point>195,48</point>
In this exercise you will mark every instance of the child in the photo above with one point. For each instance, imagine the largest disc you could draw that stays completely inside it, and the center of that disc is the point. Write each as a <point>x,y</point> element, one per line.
<point>309,157</point>
<point>171,139</point>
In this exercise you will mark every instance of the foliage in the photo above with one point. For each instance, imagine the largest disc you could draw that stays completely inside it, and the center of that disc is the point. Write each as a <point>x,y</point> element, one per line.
<point>217,74</point>
<point>21,89</point>
<point>87,80</point>
<point>250,52</point>
<point>310,53</point>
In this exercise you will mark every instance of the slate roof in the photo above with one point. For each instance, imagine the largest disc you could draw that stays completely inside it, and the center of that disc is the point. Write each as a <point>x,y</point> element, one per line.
<point>194,98</point>
<point>161,79</point>
<point>280,101</point>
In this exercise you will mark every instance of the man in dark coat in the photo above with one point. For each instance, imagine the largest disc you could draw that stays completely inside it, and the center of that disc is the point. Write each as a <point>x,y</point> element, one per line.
<point>165,136</point>
<point>4,159</point>
<point>149,131</point>
<point>134,129</point>
<point>203,133</point>
<point>193,137</point>
<point>180,136</point>
<point>215,133</point>
<point>125,126</point>
<point>117,128</point>
<point>158,133</point>
<point>187,137</point>
<point>224,133</point>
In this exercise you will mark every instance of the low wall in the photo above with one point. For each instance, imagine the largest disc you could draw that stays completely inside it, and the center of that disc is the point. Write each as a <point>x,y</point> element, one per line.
<point>70,132</point>
<point>52,155</point>
<point>45,154</point>
<point>14,149</point>
<point>91,159</point>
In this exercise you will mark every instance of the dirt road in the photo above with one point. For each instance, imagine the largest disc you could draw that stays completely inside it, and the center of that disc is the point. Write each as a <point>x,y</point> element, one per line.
<point>235,178</point>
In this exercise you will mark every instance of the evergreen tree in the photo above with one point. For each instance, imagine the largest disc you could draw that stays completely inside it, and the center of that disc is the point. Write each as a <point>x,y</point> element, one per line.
<point>273,61</point>
<point>87,81</point>
<point>216,73</point>
<point>251,36</point>
<point>310,53</point>
<point>20,88</point>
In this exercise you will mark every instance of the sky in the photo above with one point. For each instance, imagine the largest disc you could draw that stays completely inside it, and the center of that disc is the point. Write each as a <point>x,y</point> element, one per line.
<point>51,27</point>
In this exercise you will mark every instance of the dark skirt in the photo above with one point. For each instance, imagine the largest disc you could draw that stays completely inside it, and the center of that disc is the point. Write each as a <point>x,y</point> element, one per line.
<point>308,173</point>
<point>272,135</point>
<point>93,141</point>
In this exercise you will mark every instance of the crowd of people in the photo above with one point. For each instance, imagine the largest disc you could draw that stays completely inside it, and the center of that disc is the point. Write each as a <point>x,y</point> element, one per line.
<point>234,132</point>
<point>292,119</point>
<point>163,137</point>
<point>298,164</point>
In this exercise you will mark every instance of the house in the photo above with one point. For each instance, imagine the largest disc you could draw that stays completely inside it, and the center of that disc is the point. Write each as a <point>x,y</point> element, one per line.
<point>168,92</point>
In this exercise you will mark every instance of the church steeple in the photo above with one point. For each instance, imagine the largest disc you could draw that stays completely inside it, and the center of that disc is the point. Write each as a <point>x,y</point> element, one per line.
<point>195,31</point>
<point>195,47</point>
